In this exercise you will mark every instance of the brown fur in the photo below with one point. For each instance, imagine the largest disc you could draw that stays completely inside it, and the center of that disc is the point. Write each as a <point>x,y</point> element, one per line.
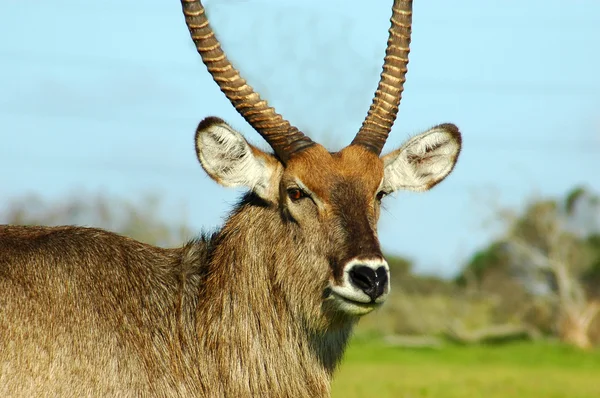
<point>250,311</point>
<point>85,312</point>
<point>264,307</point>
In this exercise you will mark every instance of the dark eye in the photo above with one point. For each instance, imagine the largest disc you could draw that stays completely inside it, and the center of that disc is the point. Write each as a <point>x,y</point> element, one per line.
<point>381,195</point>
<point>296,194</point>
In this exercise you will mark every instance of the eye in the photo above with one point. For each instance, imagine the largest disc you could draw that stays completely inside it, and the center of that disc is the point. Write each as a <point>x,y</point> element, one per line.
<point>381,195</point>
<point>295,194</point>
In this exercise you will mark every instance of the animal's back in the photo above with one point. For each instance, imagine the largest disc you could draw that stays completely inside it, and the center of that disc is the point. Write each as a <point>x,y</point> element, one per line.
<point>79,310</point>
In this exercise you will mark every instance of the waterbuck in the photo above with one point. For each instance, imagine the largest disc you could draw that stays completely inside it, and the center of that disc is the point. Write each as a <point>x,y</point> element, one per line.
<point>262,307</point>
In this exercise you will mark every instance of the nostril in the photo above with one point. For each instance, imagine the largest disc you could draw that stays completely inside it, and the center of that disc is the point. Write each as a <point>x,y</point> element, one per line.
<point>363,277</point>
<point>382,280</point>
<point>372,282</point>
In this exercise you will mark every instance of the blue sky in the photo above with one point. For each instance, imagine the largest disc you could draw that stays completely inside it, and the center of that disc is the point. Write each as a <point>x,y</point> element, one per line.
<point>100,97</point>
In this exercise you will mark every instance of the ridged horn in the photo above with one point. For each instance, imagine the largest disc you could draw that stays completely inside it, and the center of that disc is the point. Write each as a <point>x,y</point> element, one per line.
<point>382,113</point>
<point>284,138</point>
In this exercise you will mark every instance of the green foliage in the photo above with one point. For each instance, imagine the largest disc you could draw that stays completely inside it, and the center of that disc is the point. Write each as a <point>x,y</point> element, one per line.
<point>536,224</point>
<point>574,196</point>
<point>591,276</point>
<point>407,281</point>
<point>493,259</point>
<point>399,266</point>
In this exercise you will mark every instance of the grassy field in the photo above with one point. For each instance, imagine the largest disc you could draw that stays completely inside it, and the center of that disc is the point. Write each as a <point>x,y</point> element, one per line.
<point>371,369</point>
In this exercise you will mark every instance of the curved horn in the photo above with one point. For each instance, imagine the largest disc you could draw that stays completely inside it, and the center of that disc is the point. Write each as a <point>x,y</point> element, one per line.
<point>378,123</point>
<point>284,138</point>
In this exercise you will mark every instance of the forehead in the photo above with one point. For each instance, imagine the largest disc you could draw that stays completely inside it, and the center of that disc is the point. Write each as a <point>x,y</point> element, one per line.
<point>322,171</point>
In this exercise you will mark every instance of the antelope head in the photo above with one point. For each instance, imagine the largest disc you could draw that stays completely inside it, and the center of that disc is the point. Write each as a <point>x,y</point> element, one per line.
<point>329,201</point>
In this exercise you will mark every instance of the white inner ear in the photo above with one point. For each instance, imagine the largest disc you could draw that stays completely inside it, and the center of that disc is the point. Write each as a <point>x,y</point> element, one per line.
<point>229,160</point>
<point>421,162</point>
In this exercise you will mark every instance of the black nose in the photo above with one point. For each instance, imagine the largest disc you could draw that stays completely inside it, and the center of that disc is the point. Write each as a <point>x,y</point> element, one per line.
<point>370,281</point>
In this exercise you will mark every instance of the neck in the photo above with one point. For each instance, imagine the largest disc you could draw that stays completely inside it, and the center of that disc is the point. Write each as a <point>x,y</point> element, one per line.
<point>256,330</point>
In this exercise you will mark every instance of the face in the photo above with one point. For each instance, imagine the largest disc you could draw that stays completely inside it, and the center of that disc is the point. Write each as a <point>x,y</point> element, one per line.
<point>331,201</point>
<point>334,200</point>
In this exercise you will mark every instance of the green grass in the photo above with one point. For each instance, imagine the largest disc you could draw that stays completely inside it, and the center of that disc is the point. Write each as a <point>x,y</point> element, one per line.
<point>371,369</point>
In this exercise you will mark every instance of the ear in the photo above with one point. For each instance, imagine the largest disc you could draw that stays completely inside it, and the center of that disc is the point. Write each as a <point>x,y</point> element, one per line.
<point>229,160</point>
<point>423,161</point>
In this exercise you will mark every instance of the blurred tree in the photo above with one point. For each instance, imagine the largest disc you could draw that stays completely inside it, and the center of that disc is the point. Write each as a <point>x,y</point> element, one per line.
<point>490,274</point>
<point>421,304</point>
<point>486,264</point>
<point>400,267</point>
<point>552,255</point>
<point>591,276</point>
<point>140,221</point>
<point>407,281</point>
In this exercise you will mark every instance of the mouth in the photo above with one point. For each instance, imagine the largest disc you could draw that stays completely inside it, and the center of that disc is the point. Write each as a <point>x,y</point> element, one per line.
<point>351,306</point>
